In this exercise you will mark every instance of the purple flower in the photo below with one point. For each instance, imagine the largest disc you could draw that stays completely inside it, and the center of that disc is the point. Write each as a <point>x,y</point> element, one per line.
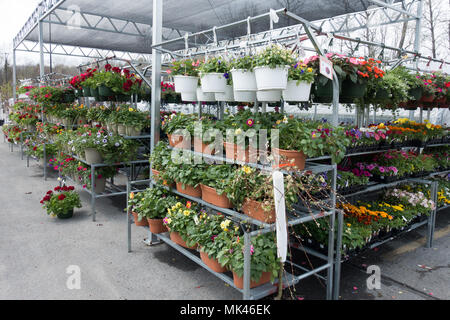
<point>226,75</point>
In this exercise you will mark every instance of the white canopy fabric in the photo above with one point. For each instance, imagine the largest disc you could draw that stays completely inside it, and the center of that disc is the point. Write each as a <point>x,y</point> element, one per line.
<point>182,15</point>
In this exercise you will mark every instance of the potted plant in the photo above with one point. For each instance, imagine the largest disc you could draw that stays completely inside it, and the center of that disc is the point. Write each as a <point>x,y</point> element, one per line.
<point>153,207</point>
<point>216,182</point>
<point>243,75</point>
<point>264,264</point>
<point>178,220</point>
<point>252,192</point>
<point>212,234</point>
<point>214,74</point>
<point>387,92</point>
<point>185,75</point>
<point>271,68</point>
<point>186,175</point>
<point>174,124</point>
<point>300,79</point>
<point>61,201</point>
<point>134,200</point>
<point>228,94</point>
<point>161,160</point>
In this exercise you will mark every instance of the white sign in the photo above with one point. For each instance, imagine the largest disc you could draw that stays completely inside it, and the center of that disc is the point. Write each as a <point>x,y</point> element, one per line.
<point>326,67</point>
<point>280,210</point>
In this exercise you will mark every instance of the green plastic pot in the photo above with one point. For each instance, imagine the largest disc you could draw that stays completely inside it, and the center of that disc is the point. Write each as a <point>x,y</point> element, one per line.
<point>86,91</point>
<point>65,215</point>
<point>352,91</point>
<point>416,93</point>
<point>68,97</point>
<point>323,93</point>
<point>382,95</point>
<point>105,91</point>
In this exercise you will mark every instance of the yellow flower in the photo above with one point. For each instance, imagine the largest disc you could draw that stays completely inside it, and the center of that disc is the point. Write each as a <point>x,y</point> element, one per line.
<point>237,131</point>
<point>309,69</point>
<point>168,220</point>
<point>349,225</point>
<point>130,109</point>
<point>236,228</point>
<point>247,169</point>
<point>278,121</point>
<point>132,195</point>
<point>381,125</point>
<point>428,125</point>
<point>178,205</point>
<point>186,212</point>
<point>224,224</point>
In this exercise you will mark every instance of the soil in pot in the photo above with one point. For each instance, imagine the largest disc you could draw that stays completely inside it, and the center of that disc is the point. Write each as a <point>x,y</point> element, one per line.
<point>189,190</point>
<point>212,263</point>
<point>254,210</point>
<point>210,195</point>
<point>156,226</point>
<point>175,237</point>
<point>239,281</point>
<point>297,158</point>
<point>142,223</point>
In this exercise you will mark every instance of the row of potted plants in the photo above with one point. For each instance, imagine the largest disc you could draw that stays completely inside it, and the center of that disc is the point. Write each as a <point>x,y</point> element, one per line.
<point>218,239</point>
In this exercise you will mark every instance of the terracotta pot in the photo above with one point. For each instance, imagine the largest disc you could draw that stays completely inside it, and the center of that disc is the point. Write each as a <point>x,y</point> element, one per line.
<point>189,190</point>
<point>254,210</point>
<point>175,237</point>
<point>239,281</point>
<point>428,98</point>
<point>156,177</point>
<point>212,263</point>
<point>177,141</point>
<point>156,226</point>
<point>201,147</point>
<point>235,152</point>
<point>142,223</point>
<point>297,158</point>
<point>210,195</point>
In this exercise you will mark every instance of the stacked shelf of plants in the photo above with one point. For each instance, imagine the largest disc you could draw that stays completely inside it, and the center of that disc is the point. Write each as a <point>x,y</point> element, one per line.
<point>89,145</point>
<point>380,160</point>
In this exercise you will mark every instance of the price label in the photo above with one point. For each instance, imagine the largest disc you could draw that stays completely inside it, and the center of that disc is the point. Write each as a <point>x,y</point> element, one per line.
<point>326,67</point>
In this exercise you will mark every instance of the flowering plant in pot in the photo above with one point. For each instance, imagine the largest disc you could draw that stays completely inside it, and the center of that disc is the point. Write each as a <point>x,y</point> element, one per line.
<point>84,175</point>
<point>216,183</point>
<point>264,267</point>
<point>441,83</point>
<point>214,73</point>
<point>214,235</point>
<point>185,75</point>
<point>312,138</point>
<point>153,206</point>
<point>271,68</point>
<point>133,201</point>
<point>300,79</point>
<point>179,219</point>
<point>252,192</point>
<point>160,160</point>
<point>388,92</point>
<point>243,74</point>
<point>133,120</point>
<point>174,125</point>
<point>428,89</point>
<point>412,81</point>
<point>187,176</point>
<point>61,201</point>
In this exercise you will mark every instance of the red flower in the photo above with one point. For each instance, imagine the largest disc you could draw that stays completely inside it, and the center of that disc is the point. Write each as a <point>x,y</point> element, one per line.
<point>71,188</point>
<point>61,197</point>
<point>108,67</point>
<point>57,188</point>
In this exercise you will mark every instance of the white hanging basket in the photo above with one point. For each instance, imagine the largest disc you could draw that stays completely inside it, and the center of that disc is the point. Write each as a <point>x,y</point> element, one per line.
<point>185,84</point>
<point>189,96</point>
<point>245,96</point>
<point>225,96</point>
<point>213,82</point>
<point>271,79</point>
<point>243,80</point>
<point>297,92</point>
<point>203,96</point>
<point>269,95</point>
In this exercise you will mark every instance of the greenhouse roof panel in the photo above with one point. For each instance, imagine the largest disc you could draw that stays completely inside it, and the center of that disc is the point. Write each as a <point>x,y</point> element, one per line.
<point>126,25</point>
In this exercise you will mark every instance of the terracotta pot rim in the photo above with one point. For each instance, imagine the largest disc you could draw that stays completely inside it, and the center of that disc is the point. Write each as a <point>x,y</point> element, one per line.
<point>288,151</point>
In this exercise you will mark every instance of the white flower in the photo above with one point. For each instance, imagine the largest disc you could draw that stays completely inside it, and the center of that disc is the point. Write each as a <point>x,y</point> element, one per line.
<point>104,141</point>
<point>117,144</point>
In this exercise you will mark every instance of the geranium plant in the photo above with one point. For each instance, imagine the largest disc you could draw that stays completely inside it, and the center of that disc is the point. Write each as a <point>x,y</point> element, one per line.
<point>61,201</point>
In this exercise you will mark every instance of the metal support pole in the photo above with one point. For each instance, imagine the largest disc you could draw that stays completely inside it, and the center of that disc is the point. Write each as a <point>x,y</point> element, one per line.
<point>432,218</point>
<point>199,109</point>
<point>335,117</point>
<point>14,75</point>
<point>374,115</point>
<point>421,115</point>
<point>337,262</point>
<point>45,163</point>
<point>247,266</point>
<point>41,50</point>
<point>331,232</point>
<point>428,114</point>
<point>128,218</point>
<point>93,192</point>
<point>264,107</point>
<point>156,72</point>
<point>315,113</point>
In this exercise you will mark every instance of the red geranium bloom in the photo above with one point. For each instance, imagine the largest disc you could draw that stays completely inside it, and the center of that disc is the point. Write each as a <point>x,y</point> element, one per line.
<point>57,188</point>
<point>61,197</point>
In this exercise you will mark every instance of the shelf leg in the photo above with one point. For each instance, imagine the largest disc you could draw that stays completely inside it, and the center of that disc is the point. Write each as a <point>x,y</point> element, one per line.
<point>128,218</point>
<point>337,262</point>
<point>432,217</point>
<point>93,192</point>
<point>247,273</point>
<point>45,164</point>
<point>331,238</point>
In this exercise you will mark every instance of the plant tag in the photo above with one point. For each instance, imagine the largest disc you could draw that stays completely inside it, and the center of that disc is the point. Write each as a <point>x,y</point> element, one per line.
<point>280,210</point>
<point>326,67</point>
